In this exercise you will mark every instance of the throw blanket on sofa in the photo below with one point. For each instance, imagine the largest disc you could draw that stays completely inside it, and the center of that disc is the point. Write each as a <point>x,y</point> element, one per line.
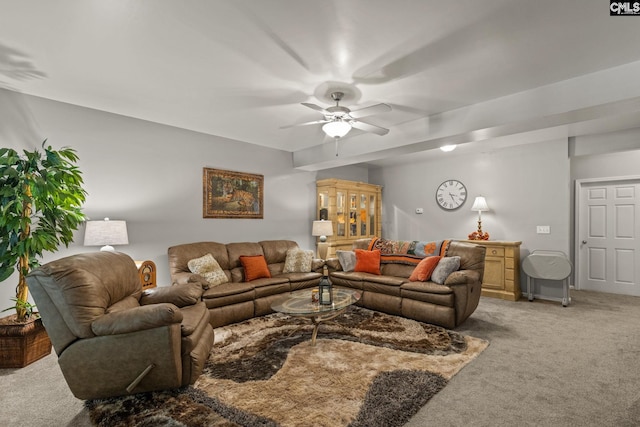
<point>414,248</point>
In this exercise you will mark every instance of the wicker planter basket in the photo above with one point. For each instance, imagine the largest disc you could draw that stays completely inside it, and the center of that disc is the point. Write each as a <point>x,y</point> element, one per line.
<point>22,343</point>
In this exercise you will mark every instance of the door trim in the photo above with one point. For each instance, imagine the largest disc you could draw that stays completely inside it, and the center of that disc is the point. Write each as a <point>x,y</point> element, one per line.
<point>576,215</point>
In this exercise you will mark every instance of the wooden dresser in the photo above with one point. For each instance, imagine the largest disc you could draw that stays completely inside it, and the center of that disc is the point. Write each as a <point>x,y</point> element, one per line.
<point>501,269</point>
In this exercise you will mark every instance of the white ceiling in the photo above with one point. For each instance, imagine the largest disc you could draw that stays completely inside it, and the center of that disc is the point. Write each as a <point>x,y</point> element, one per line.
<point>240,69</point>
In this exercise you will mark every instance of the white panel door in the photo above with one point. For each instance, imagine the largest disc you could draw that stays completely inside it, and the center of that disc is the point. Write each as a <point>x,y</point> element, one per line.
<point>609,237</point>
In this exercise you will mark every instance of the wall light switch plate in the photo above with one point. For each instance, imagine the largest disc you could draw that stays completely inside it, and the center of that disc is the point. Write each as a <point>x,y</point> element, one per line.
<point>419,210</point>
<point>543,229</point>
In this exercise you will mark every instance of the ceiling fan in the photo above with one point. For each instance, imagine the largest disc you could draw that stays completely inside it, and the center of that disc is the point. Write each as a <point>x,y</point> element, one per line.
<point>339,120</point>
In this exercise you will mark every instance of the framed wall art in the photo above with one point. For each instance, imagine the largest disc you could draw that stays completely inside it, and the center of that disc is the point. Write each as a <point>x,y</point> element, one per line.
<point>228,194</point>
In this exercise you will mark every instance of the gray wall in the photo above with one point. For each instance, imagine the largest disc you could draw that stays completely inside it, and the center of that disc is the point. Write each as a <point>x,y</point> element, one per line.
<point>525,186</point>
<point>151,176</point>
<point>606,165</point>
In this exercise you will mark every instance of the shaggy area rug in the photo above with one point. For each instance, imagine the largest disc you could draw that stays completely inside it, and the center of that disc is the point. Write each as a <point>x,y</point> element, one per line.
<point>366,369</point>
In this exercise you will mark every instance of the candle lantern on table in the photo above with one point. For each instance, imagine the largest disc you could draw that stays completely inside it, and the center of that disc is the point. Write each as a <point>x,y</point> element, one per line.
<point>325,291</point>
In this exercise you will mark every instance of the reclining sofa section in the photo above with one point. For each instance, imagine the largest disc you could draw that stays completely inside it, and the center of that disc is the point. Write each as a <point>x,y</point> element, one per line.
<point>448,304</point>
<point>238,300</point>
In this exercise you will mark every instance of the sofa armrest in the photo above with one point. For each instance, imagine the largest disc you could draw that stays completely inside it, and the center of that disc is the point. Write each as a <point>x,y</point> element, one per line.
<point>462,277</point>
<point>466,287</point>
<point>188,277</point>
<point>136,319</point>
<point>180,295</point>
<point>333,264</point>
<point>317,265</point>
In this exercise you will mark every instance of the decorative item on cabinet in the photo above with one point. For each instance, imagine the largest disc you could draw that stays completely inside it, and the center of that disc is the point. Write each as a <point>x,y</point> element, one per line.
<point>354,208</point>
<point>479,205</point>
<point>501,269</point>
<point>147,272</point>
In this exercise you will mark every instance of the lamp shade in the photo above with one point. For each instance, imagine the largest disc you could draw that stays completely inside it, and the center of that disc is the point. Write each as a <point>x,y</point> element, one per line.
<point>322,228</point>
<point>480,205</point>
<point>106,233</point>
<point>336,128</point>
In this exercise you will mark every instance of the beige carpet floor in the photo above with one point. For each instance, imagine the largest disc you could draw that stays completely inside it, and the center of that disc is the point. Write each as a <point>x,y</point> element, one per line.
<point>546,366</point>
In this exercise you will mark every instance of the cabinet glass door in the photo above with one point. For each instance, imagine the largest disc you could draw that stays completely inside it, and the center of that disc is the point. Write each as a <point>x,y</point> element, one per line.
<point>340,214</point>
<point>372,215</point>
<point>364,214</point>
<point>323,205</point>
<point>353,215</point>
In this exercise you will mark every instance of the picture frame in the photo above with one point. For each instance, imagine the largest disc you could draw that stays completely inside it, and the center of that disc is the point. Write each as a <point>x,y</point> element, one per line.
<point>229,194</point>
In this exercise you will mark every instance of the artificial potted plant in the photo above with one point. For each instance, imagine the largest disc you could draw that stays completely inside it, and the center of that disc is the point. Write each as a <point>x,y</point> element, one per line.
<point>41,196</point>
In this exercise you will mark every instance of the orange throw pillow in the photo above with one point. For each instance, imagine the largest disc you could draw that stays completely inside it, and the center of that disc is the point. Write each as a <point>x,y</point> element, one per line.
<point>255,267</point>
<point>423,270</point>
<point>367,261</point>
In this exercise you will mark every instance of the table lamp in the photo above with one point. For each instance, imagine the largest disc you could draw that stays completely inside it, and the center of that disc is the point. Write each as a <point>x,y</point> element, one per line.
<point>479,205</point>
<point>322,229</point>
<point>106,233</point>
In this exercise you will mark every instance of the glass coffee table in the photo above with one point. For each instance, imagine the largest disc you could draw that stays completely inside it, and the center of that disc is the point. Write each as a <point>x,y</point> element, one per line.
<point>300,304</point>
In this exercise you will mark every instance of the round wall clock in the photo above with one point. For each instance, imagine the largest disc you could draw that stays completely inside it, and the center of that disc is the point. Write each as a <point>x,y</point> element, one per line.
<point>451,194</point>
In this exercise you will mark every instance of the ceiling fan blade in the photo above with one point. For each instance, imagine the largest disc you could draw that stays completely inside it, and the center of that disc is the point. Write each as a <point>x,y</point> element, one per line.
<point>368,127</point>
<point>314,107</point>
<point>368,111</point>
<point>315,122</point>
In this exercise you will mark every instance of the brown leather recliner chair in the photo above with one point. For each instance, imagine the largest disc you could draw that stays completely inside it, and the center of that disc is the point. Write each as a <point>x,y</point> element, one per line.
<point>111,338</point>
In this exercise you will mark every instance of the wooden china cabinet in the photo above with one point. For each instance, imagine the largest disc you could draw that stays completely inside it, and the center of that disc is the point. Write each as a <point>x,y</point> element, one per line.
<point>354,209</point>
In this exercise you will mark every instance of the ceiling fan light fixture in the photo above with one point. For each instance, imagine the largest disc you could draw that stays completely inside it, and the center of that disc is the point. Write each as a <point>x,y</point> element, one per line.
<point>336,128</point>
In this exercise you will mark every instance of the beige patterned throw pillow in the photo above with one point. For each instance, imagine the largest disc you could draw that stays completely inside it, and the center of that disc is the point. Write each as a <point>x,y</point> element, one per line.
<point>208,267</point>
<point>298,261</point>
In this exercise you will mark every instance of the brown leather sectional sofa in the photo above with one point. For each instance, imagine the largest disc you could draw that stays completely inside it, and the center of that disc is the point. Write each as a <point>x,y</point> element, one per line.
<point>447,305</point>
<point>238,300</point>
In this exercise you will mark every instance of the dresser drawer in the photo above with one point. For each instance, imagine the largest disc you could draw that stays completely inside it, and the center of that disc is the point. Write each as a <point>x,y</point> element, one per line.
<point>495,251</point>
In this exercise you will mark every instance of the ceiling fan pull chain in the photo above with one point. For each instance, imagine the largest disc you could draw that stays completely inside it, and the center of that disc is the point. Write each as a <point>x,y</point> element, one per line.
<point>337,138</point>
